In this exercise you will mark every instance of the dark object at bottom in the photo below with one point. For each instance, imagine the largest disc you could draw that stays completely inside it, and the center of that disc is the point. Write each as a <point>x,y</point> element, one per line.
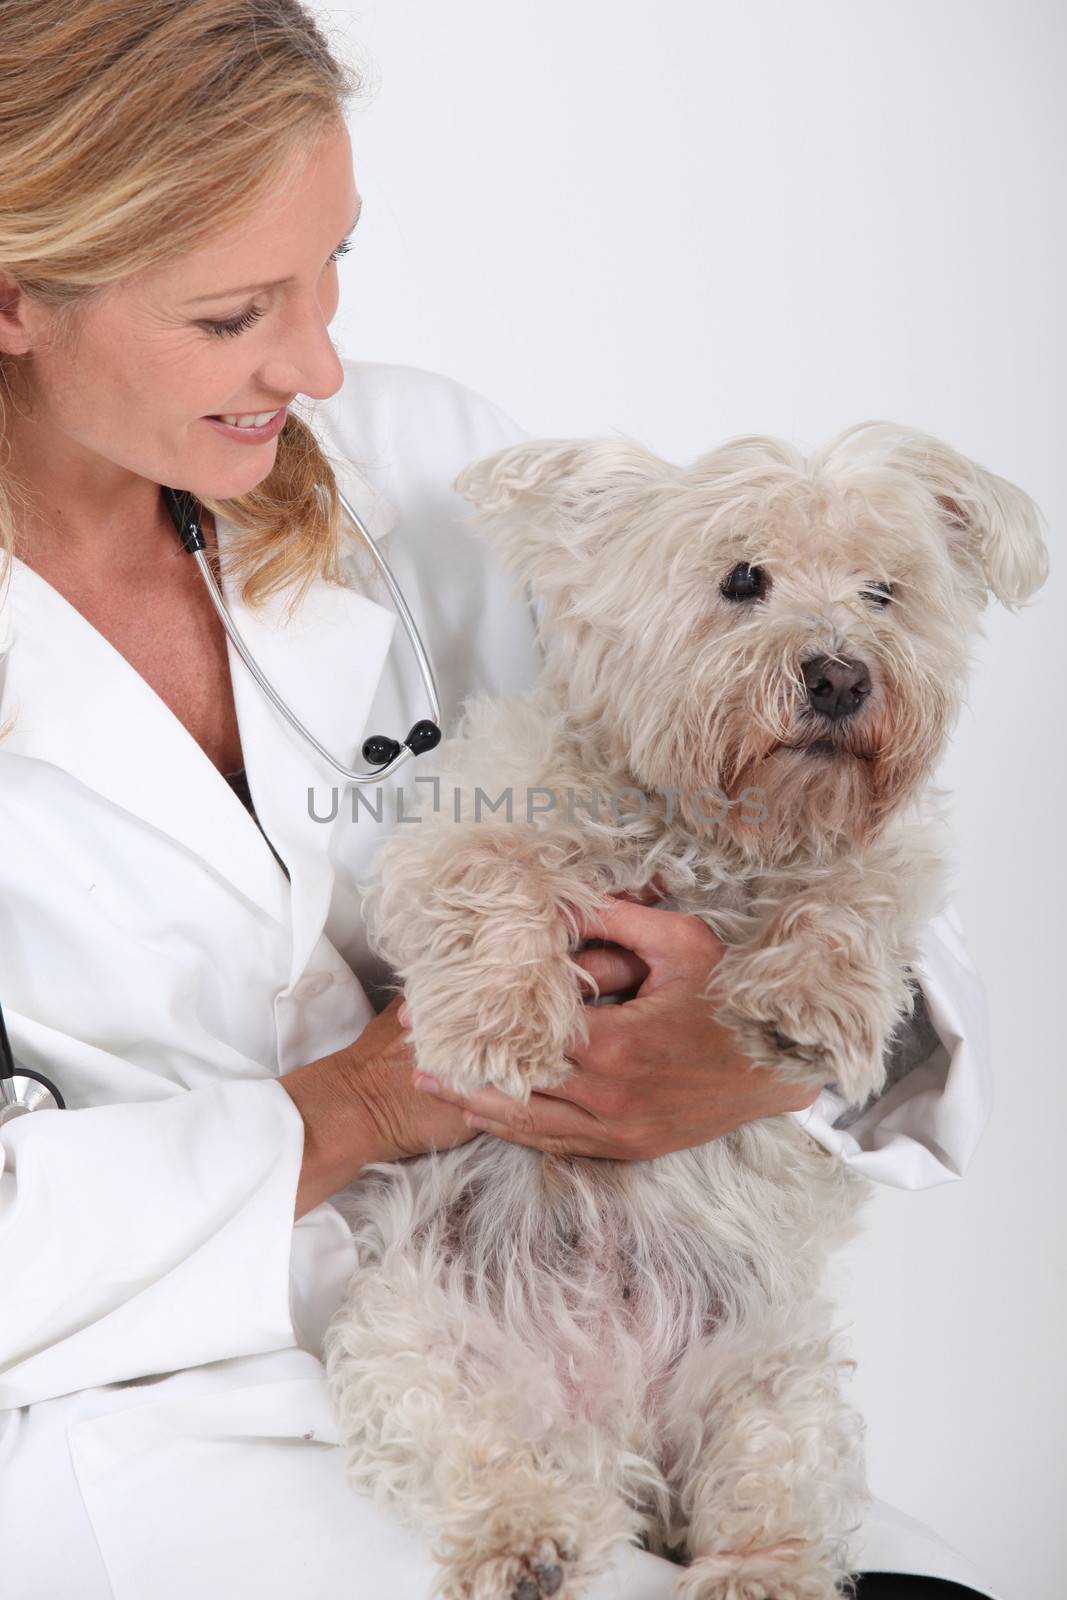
<point>901,1586</point>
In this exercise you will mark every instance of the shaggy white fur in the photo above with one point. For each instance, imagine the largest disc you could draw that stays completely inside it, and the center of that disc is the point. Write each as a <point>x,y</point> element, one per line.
<point>539,1357</point>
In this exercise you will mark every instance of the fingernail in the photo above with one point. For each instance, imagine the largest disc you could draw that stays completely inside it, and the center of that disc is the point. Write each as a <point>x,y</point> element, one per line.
<point>404,1017</point>
<point>422,1080</point>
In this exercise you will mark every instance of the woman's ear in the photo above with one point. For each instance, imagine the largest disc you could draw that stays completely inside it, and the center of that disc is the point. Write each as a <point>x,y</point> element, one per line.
<point>988,521</point>
<point>551,506</point>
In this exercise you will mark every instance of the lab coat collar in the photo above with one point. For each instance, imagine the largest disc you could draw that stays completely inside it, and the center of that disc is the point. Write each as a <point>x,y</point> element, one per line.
<point>378,514</point>
<point>76,703</point>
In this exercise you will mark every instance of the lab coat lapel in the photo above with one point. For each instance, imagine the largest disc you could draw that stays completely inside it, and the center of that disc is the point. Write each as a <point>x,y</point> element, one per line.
<point>326,662</point>
<point>75,702</point>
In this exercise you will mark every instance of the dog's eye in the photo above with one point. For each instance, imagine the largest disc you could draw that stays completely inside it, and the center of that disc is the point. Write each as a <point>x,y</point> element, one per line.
<point>744,582</point>
<point>880,593</point>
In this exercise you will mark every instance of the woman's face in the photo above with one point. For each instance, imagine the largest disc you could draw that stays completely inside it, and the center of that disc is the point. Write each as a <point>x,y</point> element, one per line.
<point>123,404</point>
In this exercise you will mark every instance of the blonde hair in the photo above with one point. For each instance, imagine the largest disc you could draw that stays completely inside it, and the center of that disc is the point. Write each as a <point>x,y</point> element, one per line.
<point>122,128</point>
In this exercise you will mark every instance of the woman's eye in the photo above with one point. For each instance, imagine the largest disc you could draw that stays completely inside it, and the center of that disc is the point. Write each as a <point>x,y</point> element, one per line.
<point>744,583</point>
<point>879,593</point>
<point>242,323</point>
<point>236,325</point>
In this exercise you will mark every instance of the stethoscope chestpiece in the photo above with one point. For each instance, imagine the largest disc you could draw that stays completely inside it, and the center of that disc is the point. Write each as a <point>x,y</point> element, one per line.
<point>25,1091</point>
<point>21,1089</point>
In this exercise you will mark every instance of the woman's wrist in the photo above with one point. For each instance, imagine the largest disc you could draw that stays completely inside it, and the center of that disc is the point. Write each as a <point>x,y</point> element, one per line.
<point>341,1135</point>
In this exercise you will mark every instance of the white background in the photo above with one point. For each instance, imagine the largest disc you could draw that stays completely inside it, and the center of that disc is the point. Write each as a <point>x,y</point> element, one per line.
<point>688,219</point>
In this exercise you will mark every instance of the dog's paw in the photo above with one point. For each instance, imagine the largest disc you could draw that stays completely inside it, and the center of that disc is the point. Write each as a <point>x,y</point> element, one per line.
<point>505,1034</point>
<point>536,1540</point>
<point>813,1049</point>
<point>790,1571</point>
<point>815,1033</point>
<point>544,1573</point>
<point>500,1023</point>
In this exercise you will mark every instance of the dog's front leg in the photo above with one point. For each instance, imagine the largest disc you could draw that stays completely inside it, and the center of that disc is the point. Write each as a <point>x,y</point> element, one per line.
<point>817,990</point>
<point>479,921</point>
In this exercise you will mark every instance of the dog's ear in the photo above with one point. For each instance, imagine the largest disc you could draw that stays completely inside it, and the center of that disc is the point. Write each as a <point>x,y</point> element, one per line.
<point>551,506</point>
<point>988,521</point>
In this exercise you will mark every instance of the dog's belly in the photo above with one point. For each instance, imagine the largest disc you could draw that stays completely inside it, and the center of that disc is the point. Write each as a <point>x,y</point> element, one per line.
<point>594,1262</point>
<point>603,1272</point>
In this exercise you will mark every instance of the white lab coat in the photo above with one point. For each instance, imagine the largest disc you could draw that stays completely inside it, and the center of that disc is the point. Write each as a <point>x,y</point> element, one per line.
<point>164,1428</point>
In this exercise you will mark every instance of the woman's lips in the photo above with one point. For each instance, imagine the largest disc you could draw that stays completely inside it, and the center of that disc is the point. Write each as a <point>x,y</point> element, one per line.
<point>252,435</point>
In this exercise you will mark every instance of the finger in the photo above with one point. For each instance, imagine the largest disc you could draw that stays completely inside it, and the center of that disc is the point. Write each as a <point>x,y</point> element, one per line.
<point>485,1102</point>
<point>602,1030</point>
<point>542,1116</point>
<point>610,1043</point>
<point>614,968</point>
<point>578,1090</point>
<point>548,1144</point>
<point>650,932</point>
<point>541,1122</point>
<point>648,893</point>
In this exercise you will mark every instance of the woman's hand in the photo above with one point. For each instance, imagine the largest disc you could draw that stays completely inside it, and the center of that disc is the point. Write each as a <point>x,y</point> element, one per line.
<point>658,1072</point>
<point>406,1122</point>
<point>358,1106</point>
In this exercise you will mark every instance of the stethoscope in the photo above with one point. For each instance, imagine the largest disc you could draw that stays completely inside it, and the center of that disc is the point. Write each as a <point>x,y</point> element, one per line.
<point>22,1090</point>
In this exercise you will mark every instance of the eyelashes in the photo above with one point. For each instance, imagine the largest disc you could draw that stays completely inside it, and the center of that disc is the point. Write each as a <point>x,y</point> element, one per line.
<point>237,325</point>
<point>241,324</point>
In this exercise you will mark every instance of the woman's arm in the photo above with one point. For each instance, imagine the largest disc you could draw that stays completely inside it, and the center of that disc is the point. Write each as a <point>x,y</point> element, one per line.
<point>359,1106</point>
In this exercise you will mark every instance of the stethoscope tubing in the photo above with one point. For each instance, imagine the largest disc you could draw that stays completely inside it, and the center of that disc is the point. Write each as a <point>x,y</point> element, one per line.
<point>414,637</point>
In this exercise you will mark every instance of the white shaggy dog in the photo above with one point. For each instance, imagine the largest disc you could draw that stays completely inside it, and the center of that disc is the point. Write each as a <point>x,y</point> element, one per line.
<point>752,666</point>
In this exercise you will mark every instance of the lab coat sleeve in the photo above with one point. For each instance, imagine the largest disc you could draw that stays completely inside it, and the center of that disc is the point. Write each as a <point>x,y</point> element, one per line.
<point>924,1127</point>
<point>144,1238</point>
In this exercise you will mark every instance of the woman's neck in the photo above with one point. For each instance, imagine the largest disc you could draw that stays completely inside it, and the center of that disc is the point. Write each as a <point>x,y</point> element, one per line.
<point>130,549</point>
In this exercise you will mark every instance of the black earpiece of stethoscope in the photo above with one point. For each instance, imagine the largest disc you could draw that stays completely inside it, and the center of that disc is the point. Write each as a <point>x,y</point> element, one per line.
<point>379,748</point>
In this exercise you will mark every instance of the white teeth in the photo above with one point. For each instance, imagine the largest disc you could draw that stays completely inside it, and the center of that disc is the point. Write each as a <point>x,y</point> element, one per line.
<point>260,420</point>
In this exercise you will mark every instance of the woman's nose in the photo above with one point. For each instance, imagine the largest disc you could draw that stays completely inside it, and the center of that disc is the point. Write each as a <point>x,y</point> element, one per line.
<point>307,362</point>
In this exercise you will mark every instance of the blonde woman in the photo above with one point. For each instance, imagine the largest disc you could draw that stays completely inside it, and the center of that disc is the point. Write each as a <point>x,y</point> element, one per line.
<point>181,948</point>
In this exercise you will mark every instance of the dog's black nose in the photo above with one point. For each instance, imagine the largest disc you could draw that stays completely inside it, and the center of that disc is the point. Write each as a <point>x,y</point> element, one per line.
<point>837,689</point>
